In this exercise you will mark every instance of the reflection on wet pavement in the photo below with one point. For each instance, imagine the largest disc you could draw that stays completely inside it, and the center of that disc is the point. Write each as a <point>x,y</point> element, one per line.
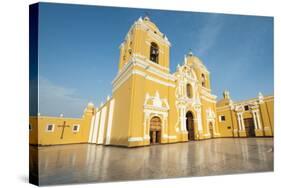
<point>83,163</point>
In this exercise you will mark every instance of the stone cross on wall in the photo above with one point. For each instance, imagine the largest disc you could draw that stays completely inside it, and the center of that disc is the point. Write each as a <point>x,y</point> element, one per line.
<point>63,126</point>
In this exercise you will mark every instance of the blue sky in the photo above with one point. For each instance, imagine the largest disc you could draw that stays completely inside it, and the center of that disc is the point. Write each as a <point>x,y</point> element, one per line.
<point>79,54</point>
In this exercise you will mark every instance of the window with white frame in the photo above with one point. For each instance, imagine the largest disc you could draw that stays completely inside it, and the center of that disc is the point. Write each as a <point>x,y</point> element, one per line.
<point>222,118</point>
<point>50,127</point>
<point>203,79</point>
<point>189,91</point>
<point>75,128</point>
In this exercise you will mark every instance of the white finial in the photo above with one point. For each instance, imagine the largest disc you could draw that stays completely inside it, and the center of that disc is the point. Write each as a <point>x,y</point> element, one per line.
<point>61,115</point>
<point>146,18</point>
<point>108,97</point>
<point>90,104</point>
<point>226,94</point>
<point>260,97</point>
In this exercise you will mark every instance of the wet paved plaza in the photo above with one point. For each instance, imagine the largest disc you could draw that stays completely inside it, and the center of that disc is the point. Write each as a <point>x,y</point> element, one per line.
<point>83,163</point>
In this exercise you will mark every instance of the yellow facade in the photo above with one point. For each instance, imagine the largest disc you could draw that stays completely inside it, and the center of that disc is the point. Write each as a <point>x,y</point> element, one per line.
<point>254,117</point>
<point>45,130</point>
<point>150,105</point>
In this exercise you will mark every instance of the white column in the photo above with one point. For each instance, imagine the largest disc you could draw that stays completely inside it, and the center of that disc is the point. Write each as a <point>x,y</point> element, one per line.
<point>102,125</point>
<point>183,89</point>
<point>165,124</point>
<point>213,126</point>
<point>91,129</point>
<point>183,120</point>
<point>258,118</point>
<point>199,120</point>
<point>110,119</point>
<point>144,124</point>
<point>97,119</point>
<point>163,127</point>
<point>242,122</point>
<point>239,121</point>
<point>255,119</point>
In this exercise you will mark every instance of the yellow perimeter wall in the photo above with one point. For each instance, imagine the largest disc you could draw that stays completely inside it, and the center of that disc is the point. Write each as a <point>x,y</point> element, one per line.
<point>40,135</point>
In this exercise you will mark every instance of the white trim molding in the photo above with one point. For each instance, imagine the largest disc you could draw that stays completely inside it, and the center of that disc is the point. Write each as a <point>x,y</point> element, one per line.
<point>128,70</point>
<point>135,139</point>
<point>170,137</point>
<point>128,74</point>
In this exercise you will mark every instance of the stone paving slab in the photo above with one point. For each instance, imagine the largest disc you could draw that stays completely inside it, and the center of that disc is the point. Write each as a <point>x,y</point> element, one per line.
<point>84,163</point>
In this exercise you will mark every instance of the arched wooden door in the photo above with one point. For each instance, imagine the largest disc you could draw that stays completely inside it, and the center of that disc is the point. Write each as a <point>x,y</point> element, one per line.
<point>155,130</point>
<point>190,125</point>
<point>211,130</point>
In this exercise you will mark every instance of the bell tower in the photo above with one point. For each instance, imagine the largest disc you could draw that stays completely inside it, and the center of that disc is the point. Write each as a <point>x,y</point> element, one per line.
<point>145,40</point>
<point>143,77</point>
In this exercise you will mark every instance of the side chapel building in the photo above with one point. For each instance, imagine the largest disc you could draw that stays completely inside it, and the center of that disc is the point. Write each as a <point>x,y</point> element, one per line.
<point>151,105</point>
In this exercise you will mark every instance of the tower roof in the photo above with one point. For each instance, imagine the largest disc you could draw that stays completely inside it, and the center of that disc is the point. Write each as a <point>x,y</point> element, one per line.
<point>150,24</point>
<point>191,59</point>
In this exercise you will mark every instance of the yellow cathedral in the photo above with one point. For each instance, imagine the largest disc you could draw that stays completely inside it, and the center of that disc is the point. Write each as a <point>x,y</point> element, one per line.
<point>150,105</point>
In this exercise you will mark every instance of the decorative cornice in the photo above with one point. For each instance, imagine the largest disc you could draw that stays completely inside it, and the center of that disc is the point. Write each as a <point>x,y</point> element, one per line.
<point>147,62</point>
<point>127,71</point>
<point>208,95</point>
<point>208,99</point>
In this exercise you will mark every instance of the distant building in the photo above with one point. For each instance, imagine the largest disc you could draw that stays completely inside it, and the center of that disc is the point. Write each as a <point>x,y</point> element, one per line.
<point>150,105</point>
<point>254,117</point>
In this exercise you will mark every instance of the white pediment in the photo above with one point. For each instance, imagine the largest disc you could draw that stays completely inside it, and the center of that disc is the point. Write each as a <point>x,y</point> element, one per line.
<point>155,102</point>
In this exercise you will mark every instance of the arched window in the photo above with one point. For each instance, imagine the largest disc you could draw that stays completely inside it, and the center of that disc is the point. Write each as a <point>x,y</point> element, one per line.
<point>155,130</point>
<point>203,78</point>
<point>155,122</point>
<point>189,91</point>
<point>154,52</point>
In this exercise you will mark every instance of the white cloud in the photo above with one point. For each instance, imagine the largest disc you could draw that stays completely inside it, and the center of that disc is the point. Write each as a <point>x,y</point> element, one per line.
<point>55,100</point>
<point>209,34</point>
